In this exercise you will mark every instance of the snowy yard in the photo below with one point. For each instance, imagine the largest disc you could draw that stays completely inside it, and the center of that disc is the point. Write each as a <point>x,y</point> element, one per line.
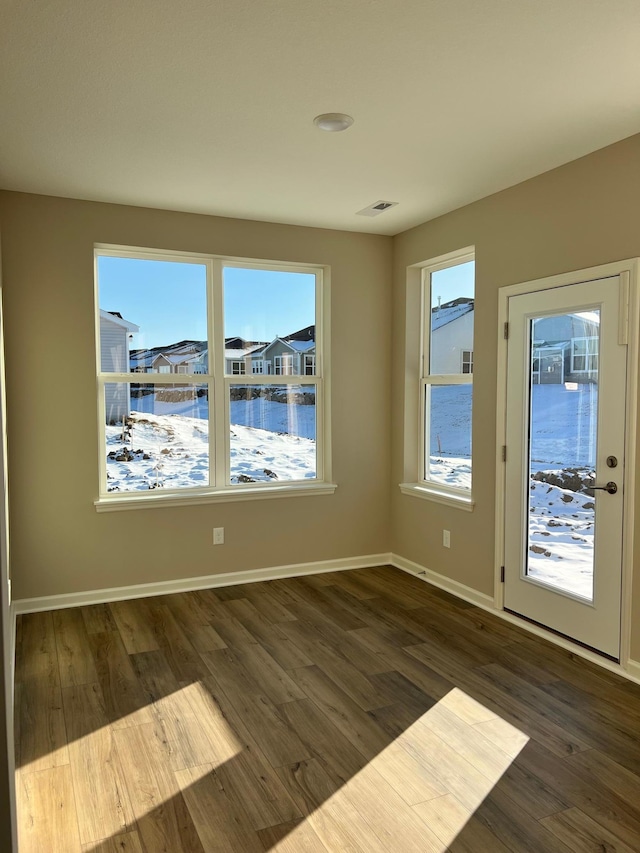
<point>269,442</point>
<point>561,520</point>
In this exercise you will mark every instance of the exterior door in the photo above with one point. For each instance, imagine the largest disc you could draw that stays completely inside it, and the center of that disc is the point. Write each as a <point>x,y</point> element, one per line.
<point>565,461</point>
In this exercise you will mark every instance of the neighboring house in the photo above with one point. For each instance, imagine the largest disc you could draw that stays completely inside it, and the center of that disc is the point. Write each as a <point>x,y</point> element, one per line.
<point>565,348</point>
<point>452,337</point>
<point>115,340</point>
<point>294,355</point>
<point>182,357</point>
<point>238,355</point>
<point>176,363</point>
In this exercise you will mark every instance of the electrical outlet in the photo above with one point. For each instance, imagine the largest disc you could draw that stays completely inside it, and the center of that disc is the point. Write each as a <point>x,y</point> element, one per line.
<point>446,538</point>
<point>218,535</point>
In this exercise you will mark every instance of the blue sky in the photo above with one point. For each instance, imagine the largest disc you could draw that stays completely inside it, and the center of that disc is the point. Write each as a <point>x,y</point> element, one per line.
<point>168,300</point>
<point>452,282</point>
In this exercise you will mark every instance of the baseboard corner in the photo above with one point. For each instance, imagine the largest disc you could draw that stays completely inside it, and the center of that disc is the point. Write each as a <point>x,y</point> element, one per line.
<point>460,590</point>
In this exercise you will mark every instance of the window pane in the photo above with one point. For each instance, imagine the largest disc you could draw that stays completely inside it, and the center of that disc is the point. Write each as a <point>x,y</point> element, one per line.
<point>563,406</point>
<point>448,425</point>
<point>452,312</point>
<point>269,321</point>
<point>153,316</point>
<point>157,436</point>
<point>273,433</point>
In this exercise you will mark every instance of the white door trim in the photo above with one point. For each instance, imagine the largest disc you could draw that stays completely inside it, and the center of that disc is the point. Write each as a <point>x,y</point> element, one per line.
<point>629,270</point>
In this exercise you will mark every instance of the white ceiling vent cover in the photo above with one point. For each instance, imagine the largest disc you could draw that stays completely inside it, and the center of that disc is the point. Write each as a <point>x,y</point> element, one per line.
<point>376,208</point>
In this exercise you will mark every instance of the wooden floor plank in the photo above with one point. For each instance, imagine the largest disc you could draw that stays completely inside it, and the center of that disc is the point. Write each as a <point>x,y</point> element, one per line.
<point>125,701</point>
<point>268,674</point>
<point>47,809</point>
<point>362,711</point>
<point>579,833</point>
<point>558,738</point>
<point>456,827</point>
<point>221,822</point>
<point>278,742</point>
<point>331,814</point>
<point>186,664</point>
<point>36,652</point>
<point>127,842</point>
<point>187,740</point>
<point>155,792</point>
<point>75,660</point>
<point>43,736</point>
<point>98,778</point>
<point>294,837</point>
<point>97,619</point>
<point>133,624</point>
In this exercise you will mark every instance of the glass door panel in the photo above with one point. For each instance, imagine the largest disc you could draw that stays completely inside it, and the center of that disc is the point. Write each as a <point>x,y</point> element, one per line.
<point>563,419</point>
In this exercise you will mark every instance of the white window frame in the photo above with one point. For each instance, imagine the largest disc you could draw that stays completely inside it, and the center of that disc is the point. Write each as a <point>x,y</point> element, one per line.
<point>311,361</point>
<point>219,386</point>
<point>418,382</point>
<point>587,355</point>
<point>257,367</point>
<point>466,361</point>
<point>237,367</point>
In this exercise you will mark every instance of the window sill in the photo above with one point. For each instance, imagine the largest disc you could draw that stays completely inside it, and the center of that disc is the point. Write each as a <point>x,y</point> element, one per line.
<point>429,493</point>
<point>136,500</point>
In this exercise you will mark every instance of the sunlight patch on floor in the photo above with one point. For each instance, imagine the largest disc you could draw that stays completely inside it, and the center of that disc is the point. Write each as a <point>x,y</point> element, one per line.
<point>442,767</point>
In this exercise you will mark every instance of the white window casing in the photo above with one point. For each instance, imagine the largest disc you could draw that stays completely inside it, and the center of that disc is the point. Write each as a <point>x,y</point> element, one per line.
<point>420,382</point>
<point>219,384</point>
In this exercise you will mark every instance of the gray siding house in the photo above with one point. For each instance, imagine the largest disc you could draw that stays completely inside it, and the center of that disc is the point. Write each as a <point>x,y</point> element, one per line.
<point>565,348</point>
<point>115,340</point>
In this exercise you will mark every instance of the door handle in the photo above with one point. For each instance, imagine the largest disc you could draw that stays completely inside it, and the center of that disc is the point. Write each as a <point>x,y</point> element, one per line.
<point>611,488</point>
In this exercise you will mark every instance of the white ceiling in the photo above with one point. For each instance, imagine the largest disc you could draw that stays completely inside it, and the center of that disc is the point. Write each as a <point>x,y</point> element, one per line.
<point>207,105</point>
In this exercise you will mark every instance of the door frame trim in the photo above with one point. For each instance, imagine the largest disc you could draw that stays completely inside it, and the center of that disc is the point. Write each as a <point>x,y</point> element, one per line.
<point>629,271</point>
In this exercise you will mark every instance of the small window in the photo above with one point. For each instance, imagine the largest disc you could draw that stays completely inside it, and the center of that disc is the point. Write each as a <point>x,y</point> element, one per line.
<point>257,367</point>
<point>237,368</point>
<point>448,297</point>
<point>584,355</point>
<point>309,365</point>
<point>284,365</point>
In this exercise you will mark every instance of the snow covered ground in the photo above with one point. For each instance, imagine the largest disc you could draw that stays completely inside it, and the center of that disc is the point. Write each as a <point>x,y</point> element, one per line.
<point>561,521</point>
<point>172,450</point>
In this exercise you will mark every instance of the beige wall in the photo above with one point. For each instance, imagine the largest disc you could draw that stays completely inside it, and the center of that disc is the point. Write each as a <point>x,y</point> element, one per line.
<point>59,543</point>
<point>580,215</point>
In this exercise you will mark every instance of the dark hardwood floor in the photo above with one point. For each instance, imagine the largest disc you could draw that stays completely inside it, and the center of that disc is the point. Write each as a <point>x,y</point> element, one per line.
<point>353,711</point>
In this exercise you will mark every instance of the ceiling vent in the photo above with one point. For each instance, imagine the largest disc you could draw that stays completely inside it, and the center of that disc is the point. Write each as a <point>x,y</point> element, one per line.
<point>376,208</point>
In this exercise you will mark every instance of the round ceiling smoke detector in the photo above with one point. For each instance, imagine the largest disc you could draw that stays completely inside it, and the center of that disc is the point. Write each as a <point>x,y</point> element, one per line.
<point>333,122</point>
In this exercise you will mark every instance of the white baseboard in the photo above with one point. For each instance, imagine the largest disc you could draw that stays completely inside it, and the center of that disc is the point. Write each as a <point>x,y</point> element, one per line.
<point>633,670</point>
<point>102,596</point>
<point>629,669</point>
<point>456,588</point>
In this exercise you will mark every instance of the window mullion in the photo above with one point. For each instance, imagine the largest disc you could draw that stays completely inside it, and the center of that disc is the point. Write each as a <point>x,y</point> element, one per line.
<point>219,410</point>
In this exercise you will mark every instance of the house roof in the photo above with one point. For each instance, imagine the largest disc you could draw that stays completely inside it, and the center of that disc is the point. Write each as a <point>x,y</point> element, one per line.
<point>242,353</point>
<point>118,320</point>
<point>448,313</point>
<point>301,346</point>
<point>172,358</point>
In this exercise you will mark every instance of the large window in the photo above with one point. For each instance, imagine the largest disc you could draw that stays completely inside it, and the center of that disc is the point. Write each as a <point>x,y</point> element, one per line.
<point>201,425</point>
<point>446,383</point>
